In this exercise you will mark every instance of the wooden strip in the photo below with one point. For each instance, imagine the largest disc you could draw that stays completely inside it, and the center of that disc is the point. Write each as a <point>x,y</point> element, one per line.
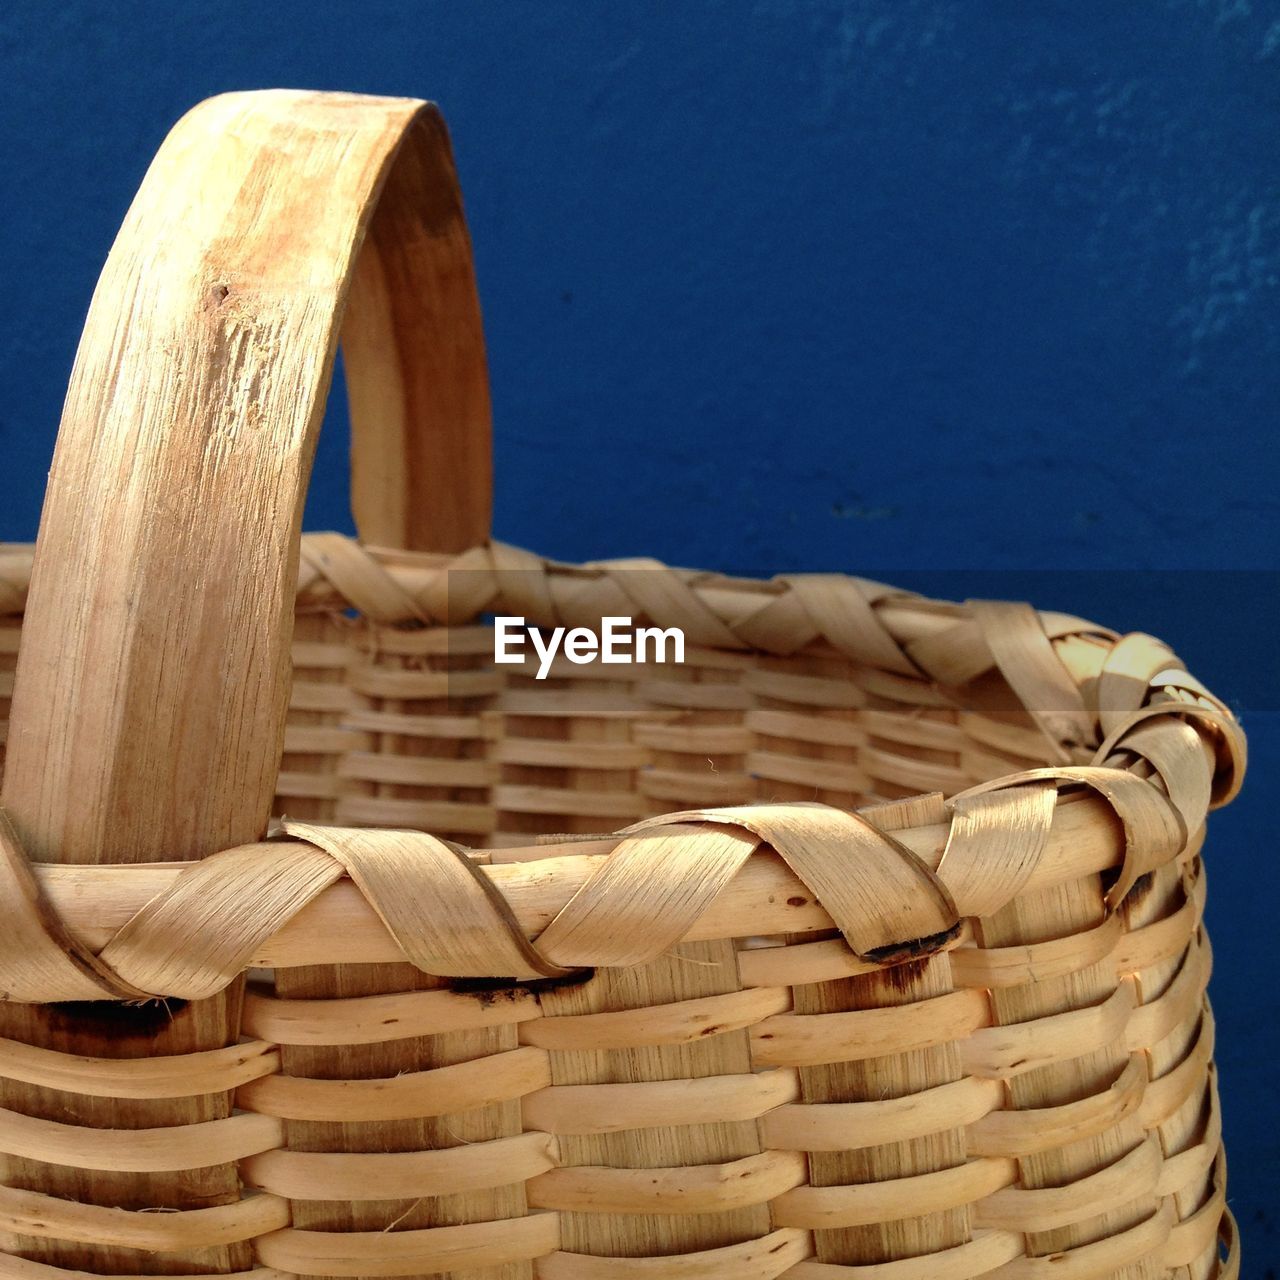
<point>191,1146</point>
<point>408,771</point>
<point>708,1188</point>
<point>953,652</point>
<point>414,1252</point>
<point>805,1040</point>
<point>896,729</point>
<point>1001,1052</point>
<point>1048,1208</point>
<point>576,704</point>
<point>690,972</point>
<point>420,642</point>
<point>1184,761</point>
<point>801,963</point>
<point>1153,830</point>
<point>1186,1170</point>
<point>319,653</point>
<point>456,816</point>
<point>1154,944</point>
<point>1066,1043</point>
<point>1164,1096</point>
<point>825,775</point>
<point>676,1023</point>
<point>616,805</point>
<point>665,594</point>
<point>811,691</point>
<point>805,962</point>
<point>447,916</point>
<point>1100,1259</point>
<point>392,1175</point>
<point>307,695</point>
<point>842,611</point>
<point>986,1251</point>
<point>291,785</point>
<point>794,726</point>
<point>373,592</point>
<point>1006,742</point>
<point>767,1258</point>
<point>549,754</point>
<point>647,895</point>
<point>373,1019</point>
<point>1039,961</point>
<point>385,682</point>
<point>412,1095</point>
<point>406,725</point>
<point>179,1076</point>
<point>41,1216</point>
<point>692,739</point>
<point>25,1269</point>
<point>846,1126</point>
<point>162,951</point>
<point>909,773</point>
<point>667,788</point>
<point>1020,1133</point>
<point>1150,1023</point>
<point>884,900</point>
<point>38,957</point>
<point>1124,683</point>
<point>1017,638</point>
<point>1200,706</point>
<point>894,1198</point>
<point>996,842</point>
<point>1189,1239</point>
<point>610,1108</point>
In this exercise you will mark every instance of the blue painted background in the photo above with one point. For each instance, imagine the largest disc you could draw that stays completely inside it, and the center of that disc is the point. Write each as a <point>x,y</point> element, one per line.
<point>914,289</point>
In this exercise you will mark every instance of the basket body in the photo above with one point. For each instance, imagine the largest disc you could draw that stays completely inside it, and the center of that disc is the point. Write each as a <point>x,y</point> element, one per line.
<point>754,1101</point>
<point>908,983</point>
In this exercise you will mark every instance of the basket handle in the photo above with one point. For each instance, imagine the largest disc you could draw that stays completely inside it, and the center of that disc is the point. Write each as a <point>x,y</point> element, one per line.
<point>152,684</point>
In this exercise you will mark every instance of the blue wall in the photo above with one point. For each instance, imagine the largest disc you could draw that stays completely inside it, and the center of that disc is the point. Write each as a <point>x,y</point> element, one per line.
<point>897,287</point>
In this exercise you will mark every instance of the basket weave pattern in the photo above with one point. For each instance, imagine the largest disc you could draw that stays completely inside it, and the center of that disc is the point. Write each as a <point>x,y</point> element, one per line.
<point>738,1081</point>
<point>864,944</point>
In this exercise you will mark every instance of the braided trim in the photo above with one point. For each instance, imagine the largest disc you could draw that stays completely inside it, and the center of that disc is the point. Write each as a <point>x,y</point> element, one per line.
<point>1154,832</point>
<point>885,628</point>
<point>1170,752</point>
<point>1077,680</point>
<point>37,954</point>
<point>647,890</point>
<point>886,902</point>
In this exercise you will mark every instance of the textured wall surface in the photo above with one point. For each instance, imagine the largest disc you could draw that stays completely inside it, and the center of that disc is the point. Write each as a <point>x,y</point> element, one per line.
<point>912,288</point>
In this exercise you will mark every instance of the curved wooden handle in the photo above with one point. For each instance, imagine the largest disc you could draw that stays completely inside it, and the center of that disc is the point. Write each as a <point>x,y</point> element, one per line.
<point>417,384</point>
<point>152,683</point>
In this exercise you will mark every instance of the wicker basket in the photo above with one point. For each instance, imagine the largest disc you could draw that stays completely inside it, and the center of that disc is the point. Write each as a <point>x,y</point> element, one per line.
<point>908,984</point>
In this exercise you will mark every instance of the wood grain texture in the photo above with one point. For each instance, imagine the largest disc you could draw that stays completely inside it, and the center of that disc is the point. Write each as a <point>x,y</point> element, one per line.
<point>156,641</point>
<point>153,678</point>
